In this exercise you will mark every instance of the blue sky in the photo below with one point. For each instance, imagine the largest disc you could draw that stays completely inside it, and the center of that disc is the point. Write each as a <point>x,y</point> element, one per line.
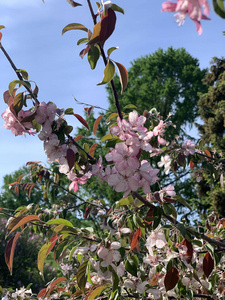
<point>34,41</point>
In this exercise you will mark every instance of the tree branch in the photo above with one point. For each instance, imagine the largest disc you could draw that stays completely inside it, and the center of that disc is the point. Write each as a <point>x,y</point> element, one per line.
<point>105,62</point>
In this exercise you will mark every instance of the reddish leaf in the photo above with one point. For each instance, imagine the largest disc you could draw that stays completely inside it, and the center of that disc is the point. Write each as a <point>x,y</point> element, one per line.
<point>84,51</point>
<point>89,110</point>
<point>220,224</point>
<point>149,215</point>
<point>171,278</point>
<point>78,137</point>
<point>208,153</point>
<point>16,190</point>
<point>189,252</point>
<point>51,247</point>
<point>81,120</point>
<point>135,239</point>
<point>41,293</point>
<point>0,36</point>
<point>96,33</point>
<point>53,284</point>
<point>192,165</point>
<point>20,221</point>
<point>87,212</point>
<point>108,23</point>
<point>1,208</point>
<point>123,74</point>
<point>92,150</point>
<point>208,264</point>
<point>73,3</point>
<point>70,157</point>
<point>8,99</point>
<point>9,251</point>
<point>97,121</point>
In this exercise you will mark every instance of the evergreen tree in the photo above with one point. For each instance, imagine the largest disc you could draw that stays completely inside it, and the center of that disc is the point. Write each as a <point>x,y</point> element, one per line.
<point>212,112</point>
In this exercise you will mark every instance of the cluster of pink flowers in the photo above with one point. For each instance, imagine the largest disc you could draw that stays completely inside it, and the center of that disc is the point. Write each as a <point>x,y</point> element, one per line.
<point>127,172</point>
<point>190,7</point>
<point>14,123</point>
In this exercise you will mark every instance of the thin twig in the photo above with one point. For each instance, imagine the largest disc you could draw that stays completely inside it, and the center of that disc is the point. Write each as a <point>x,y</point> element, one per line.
<point>174,221</point>
<point>105,62</point>
<point>18,73</point>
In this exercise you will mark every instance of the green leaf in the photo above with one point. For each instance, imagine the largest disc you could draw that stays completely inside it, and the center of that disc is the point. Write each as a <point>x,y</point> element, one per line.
<point>108,73</point>
<point>117,8</point>
<point>42,255</point>
<point>82,41</point>
<point>69,111</point>
<point>93,56</point>
<point>18,102</point>
<point>131,265</point>
<point>181,228</point>
<point>23,73</point>
<point>1,27</point>
<point>110,50</point>
<point>218,6</point>
<point>182,201</point>
<point>108,137</point>
<point>82,275</point>
<point>60,221</point>
<point>15,82</point>
<point>74,26</point>
<point>130,106</point>
<point>125,201</point>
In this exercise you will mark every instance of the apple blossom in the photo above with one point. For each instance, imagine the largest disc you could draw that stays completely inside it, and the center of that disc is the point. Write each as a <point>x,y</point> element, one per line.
<point>190,7</point>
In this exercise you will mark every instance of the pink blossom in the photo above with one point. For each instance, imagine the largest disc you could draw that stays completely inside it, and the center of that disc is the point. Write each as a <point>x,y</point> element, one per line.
<point>166,162</point>
<point>190,7</point>
<point>45,111</point>
<point>124,156</point>
<point>188,147</point>
<point>109,255</point>
<point>157,239</point>
<point>77,180</point>
<point>11,122</point>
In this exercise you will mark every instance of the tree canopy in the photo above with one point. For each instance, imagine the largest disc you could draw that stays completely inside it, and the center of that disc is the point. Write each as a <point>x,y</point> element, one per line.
<point>168,80</point>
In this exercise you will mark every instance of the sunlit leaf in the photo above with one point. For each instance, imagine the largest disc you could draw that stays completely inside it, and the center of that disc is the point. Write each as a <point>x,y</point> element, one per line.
<point>22,220</point>
<point>82,275</point>
<point>18,102</point>
<point>68,111</point>
<point>123,75</point>
<point>110,50</point>
<point>117,8</point>
<point>108,137</point>
<point>97,121</point>
<point>92,150</point>
<point>78,137</point>
<point>74,26</point>
<point>218,6</point>
<point>82,41</point>
<point>81,120</point>
<point>53,284</point>
<point>19,82</point>
<point>108,73</point>
<point>23,73</point>
<point>171,278</point>
<point>60,221</point>
<point>73,3</point>
<point>96,292</point>
<point>112,116</point>
<point>135,239</point>
<point>93,56</point>
<point>95,35</point>
<point>9,251</point>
